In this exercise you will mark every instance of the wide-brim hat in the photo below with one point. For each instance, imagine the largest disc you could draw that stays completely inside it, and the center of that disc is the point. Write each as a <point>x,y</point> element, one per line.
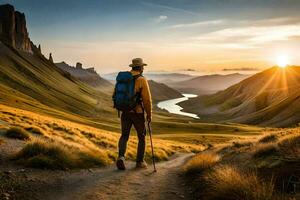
<point>137,62</point>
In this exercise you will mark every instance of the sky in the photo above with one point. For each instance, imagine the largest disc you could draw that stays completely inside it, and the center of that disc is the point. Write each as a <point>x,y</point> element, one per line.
<point>203,35</point>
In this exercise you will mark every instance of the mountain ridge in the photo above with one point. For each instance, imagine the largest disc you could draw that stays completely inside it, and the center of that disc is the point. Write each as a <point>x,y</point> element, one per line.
<point>86,75</point>
<point>208,84</point>
<point>255,100</point>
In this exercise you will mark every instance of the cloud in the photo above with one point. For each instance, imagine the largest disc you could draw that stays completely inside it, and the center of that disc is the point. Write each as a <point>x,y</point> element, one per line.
<point>249,37</point>
<point>170,8</point>
<point>197,24</point>
<point>160,18</point>
<point>275,21</point>
<point>240,23</point>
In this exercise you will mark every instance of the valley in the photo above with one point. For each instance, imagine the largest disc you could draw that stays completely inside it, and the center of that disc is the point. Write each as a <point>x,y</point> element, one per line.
<point>59,131</point>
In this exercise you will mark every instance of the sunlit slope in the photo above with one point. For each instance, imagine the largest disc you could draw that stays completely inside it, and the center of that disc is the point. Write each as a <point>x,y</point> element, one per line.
<point>267,98</point>
<point>31,81</point>
<point>77,138</point>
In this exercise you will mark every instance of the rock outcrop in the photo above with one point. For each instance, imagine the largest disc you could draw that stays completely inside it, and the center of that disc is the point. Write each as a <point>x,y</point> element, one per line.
<point>91,70</point>
<point>13,30</point>
<point>50,57</point>
<point>39,49</point>
<point>88,75</point>
<point>78,65</point>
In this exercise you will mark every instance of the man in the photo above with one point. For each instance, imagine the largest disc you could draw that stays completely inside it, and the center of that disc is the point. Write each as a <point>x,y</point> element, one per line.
<point>136,116</point>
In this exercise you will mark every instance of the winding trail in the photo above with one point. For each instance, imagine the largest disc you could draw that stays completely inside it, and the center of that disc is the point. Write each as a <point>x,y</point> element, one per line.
<point>130,184</point>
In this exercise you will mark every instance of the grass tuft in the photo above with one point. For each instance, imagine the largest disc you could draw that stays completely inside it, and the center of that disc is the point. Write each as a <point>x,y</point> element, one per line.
<point>17,133</point>
<point>239,144</point>
<point>290,148</point>
<point>34,130</point>
<point>39,154</point>
<point>268,138</point>
<point>265,150</point>
<point>200,163</point>
<point>228,183</point>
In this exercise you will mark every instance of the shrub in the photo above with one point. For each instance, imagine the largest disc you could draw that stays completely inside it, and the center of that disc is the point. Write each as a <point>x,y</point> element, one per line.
<point>264,150</point>
<point>34,130</point>
<point>268,138</point>
<point>228,183</point>
<point>200,163</point>
<point>39,154</point>
<point>290,148</point>
<point>17,133</point>
<point>239,144</point>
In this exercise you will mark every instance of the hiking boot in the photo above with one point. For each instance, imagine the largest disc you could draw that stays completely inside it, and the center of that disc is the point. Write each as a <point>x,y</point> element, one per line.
<point>141,165</point>
<point>121,163</point>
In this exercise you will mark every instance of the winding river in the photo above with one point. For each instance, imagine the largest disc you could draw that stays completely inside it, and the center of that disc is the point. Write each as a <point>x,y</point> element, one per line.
<point>172,107</point>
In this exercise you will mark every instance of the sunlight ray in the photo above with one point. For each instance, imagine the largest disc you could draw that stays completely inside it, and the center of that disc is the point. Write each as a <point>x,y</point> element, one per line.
<point>268,83</point>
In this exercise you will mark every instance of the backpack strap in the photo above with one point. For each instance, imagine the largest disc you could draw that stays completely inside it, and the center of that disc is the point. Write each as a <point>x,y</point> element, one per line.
<point>135,77</point>
<point>138,93</point>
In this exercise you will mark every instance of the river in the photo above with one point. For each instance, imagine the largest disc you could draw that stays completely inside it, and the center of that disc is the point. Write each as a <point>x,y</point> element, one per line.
<point>172,107</point>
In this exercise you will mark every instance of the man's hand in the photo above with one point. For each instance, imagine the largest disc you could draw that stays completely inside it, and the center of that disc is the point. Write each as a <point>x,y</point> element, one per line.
<point>149,118</point>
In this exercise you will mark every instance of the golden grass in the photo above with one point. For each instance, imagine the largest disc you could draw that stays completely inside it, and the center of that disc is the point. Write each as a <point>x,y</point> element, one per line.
<point>82,137</point>
<point>34,130</point>
<point>229,183</point>
<point>41,154</point>
<point>17,133</point>
<point>199,163</point>
<point>264,150</point>
<point>289,147</point>
<point>239,144</point>
<point>268,138</point>
<point>270,157</point>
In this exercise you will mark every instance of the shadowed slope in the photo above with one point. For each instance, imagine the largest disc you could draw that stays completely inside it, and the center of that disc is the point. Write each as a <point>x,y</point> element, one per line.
<point>162,92</point>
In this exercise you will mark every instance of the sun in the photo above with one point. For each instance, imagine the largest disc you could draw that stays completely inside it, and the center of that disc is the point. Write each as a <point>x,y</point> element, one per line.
<point>283,61</point>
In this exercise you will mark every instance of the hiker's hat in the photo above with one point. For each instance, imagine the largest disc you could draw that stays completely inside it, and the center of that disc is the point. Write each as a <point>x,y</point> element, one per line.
<point>137,62</point>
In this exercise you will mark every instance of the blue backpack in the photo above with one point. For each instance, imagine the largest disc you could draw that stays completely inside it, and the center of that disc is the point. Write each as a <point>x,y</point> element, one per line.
<point>125,98</point>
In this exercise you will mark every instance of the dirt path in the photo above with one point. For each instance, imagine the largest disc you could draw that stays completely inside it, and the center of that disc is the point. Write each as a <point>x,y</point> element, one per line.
<point>112,184</point>
<point>106,183</point>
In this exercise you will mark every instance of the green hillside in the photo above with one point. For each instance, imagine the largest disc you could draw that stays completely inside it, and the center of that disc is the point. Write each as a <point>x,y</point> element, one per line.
<point>267,98</point>
<point>31,82</point>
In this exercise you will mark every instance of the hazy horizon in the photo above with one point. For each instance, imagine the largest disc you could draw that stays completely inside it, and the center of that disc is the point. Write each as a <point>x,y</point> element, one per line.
<point>201,35</point>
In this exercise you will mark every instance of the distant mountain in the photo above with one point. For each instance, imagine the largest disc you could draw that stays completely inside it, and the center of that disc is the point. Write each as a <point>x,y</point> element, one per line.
<point>167,77</point>
<point>88,75</point>
<point>158,77</point>
<point>269,98</point>
<point>207,84</point>
<point>162,92</point>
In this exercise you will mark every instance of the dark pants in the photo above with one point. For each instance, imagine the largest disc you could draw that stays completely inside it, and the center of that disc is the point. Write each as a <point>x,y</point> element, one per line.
<point>138,121</point>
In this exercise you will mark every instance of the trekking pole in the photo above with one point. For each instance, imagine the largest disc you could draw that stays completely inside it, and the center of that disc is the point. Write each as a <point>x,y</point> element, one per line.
<point>152,149</point>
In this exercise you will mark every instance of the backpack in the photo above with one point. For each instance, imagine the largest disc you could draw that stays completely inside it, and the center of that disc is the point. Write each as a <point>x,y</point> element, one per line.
<point>125,98</point>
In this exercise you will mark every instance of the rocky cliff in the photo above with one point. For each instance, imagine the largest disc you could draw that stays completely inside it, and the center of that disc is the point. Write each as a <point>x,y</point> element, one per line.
<point>13,30</point>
